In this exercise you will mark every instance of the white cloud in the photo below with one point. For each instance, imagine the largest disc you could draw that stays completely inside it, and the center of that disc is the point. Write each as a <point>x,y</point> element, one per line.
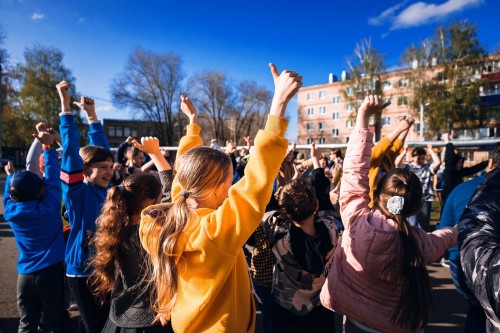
<point>37,16</point>
<point>420,13</point>
<point>81,19</point>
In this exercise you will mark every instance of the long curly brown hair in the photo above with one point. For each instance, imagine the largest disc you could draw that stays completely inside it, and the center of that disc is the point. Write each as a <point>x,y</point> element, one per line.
<point>122,201</point>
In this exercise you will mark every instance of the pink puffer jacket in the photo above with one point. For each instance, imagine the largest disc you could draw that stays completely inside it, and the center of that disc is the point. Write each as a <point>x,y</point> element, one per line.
<point>362,283</point>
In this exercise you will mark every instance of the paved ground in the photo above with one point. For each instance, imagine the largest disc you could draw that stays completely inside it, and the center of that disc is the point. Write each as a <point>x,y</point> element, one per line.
<point>450,316</point>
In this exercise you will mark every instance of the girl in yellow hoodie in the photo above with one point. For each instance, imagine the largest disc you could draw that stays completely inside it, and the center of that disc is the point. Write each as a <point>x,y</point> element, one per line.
<point>200,275</point>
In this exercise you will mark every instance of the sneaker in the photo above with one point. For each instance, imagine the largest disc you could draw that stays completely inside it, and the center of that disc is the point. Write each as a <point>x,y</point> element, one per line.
<point>445,263</point>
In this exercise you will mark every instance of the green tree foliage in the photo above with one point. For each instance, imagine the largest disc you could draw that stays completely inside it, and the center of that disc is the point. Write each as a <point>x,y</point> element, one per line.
<point>150,87</point>
<point>38,75</point>
<point>451,93</point>
<point>363,78</point>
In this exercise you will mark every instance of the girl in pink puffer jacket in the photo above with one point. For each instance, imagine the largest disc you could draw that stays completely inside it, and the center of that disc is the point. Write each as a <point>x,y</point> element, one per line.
<point>378,279</point>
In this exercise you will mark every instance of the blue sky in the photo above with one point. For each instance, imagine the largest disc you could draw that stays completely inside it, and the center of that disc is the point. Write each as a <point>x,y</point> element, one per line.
<point>238,37</point>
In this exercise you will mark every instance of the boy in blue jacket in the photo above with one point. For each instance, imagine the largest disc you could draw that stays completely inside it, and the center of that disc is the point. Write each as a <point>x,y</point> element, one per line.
<point>85,175</point>
<point>32,208</point>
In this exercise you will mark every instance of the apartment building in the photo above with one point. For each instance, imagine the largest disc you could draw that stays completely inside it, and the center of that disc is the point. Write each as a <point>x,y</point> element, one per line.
<point>325,116</point>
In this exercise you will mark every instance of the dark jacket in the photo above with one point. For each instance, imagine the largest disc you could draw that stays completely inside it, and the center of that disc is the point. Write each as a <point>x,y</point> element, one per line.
<point>452,176</point>
<point>479,243</point>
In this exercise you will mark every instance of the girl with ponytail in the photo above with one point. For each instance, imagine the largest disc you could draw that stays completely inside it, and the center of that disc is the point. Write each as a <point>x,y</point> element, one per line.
<point>120,263</point>
<point>378,279</point>
<point>200,276</point>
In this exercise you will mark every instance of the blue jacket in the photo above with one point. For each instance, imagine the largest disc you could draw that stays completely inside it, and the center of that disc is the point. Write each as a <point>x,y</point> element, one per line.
<point>454,207</point>
<point>83,200</point>
<point>37,224</point>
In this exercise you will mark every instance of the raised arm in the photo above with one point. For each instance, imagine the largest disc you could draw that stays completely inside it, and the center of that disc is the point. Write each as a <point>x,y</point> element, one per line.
<point>97,136</point>
<point>314,156</point>
<point>436,161</point>
<point>52,170</point>
<point>72,164</point>
<point>151,146</point>
<point>354,189</point>
<point>233,222</point>
<point>400,159</point>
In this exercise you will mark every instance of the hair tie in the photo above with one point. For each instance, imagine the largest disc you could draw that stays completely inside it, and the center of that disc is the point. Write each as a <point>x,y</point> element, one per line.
<point>185,194</point>
<point>395,204</point>
<point>121,187</point>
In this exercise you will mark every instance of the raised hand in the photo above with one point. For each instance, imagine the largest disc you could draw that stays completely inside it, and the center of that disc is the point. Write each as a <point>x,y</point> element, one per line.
<point>446,137</point>
<point>45,138</point>
<point>230,148</point>
<point>371,105</point>
<point>149,145</point>
<point>286,85</point>
<point>87,104</point>
<point>188,109</point>
<point>41,126</point>
<point>129,140</point>
<point>248,140</point>
<point>62,88</point>
<point>55,133</point>
<point>314,151</point>
<point>429,146</point>
<point>9,168</point>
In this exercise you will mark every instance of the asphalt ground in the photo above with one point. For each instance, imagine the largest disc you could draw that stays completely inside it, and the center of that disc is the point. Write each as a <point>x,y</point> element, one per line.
<point>449,317</point>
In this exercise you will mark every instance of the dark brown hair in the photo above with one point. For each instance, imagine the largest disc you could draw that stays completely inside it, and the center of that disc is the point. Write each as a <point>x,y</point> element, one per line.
<point>414,306</point>
<point>418,151</point>
<point>94,154</point>
<point>121,203</point>
<point>297,200</point>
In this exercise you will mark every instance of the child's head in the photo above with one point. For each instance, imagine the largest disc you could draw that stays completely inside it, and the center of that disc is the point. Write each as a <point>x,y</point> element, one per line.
<point>297,200</point>
<point>399,183</point>
<point>135,157</point>
<point>97,165</point>
<point>122,207</point>
<point>418,156</point>
<point>26,186</point>
<point>205,176</point>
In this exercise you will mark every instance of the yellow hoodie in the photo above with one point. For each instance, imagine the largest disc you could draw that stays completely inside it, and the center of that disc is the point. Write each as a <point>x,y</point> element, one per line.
<point>214,293</point>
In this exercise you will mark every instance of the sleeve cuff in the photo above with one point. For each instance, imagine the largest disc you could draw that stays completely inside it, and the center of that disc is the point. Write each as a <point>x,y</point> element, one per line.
<point>66,113</point>
<point>95,121</point>
<point>276,125</point>
<point>193,129</point>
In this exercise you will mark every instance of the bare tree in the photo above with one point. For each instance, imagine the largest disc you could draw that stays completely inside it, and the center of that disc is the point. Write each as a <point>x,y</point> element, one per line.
<point>150,86</point>
<point>213,95</point>
<point>364,70</point>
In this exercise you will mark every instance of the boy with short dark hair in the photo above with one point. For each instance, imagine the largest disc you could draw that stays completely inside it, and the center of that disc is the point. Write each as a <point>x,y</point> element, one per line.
<point>32,209</point>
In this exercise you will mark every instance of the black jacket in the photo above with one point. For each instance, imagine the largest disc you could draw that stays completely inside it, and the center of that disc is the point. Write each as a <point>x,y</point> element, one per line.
<point>479,243</point>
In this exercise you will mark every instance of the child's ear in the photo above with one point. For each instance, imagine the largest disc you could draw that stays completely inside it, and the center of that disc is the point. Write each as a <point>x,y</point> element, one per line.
<point>86,171</point>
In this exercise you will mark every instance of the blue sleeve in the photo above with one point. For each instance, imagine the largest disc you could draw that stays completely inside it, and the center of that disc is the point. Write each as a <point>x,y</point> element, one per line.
<point>448,214</point>
<point>52,175</point>
<point>97,136</point>
<point>72,164</point>
<point>6,192</point>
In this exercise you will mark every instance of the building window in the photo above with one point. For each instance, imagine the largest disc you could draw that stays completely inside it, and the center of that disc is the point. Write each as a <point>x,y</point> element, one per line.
<point>386,121</point>
<point>349,107</point>
<point>134,133</point>
<point>402,101</point>
<point>335,116</point>
<point>310,111</point>
<point>387,100</point>
<point>348,123</point>
<point>111,131</point>
<point>310,127</point>
<point>310,96</point>
<point>347,139</point>
<point>386,85</point>
<point>335,132</point>
<point>336,99</point>
<point>322,141</point>
<point>322,110</point>
<point>350,91</point>
<point>322,94</point>
<point>322,125</point>
<point>126,131</point>
<point>403,83</point>
<point>309,141</point>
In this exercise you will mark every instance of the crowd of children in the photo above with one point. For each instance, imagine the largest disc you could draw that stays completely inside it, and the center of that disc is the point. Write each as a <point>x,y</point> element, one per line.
<point>152,247</point>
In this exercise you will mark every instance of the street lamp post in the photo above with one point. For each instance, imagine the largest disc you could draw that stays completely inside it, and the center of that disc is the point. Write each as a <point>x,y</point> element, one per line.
<point>421,122</point>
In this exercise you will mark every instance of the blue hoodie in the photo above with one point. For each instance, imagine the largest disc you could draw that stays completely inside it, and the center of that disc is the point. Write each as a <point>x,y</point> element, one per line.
<point>83,200</point>
<point>37,224</point>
